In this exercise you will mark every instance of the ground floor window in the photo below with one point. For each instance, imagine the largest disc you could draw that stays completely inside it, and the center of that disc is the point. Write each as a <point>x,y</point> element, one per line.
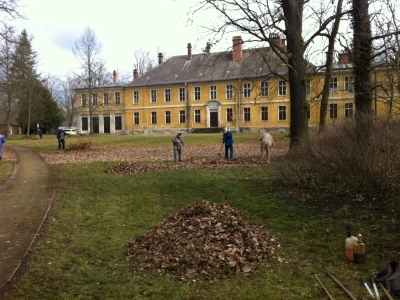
<point>182,116</point>
<point>153,117</point>
<point>264,113</point>
<point>229,115</point>
<point>333,111</point>
<point>168,117</point>
<point>197,118</point>
<point>246,116</point>
<point>282,113</point>
<point>348,110</point>
<point>136,119</point>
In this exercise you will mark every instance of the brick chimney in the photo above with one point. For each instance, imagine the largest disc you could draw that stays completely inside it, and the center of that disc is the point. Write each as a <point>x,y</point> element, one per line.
<point>237,48</point>
<point>189,47</point>
<point>344,58</point>
<point>115,77</point>
<point>276,39</point>
<point>208,48</point>
<point>135,74</point>
<point>160,58</point>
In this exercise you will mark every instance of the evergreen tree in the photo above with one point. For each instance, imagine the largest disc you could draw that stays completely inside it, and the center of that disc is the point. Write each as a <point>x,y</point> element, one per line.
<point>25,78</point>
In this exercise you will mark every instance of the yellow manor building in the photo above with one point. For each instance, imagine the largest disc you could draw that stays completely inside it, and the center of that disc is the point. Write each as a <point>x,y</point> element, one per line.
<point>243,90</point>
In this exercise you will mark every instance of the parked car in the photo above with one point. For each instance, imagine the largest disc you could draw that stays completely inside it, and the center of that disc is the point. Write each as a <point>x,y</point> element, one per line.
<point>70,131</point>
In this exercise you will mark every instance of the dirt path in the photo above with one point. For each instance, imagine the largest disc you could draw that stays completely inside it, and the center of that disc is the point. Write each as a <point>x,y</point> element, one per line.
<point>24,202</point>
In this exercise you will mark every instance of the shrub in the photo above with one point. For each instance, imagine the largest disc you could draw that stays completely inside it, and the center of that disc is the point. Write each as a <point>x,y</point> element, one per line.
<point>348,158</point>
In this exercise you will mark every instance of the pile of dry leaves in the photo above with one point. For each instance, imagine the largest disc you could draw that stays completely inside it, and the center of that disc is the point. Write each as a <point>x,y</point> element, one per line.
<point>209,163</point>
<point>204,241</point>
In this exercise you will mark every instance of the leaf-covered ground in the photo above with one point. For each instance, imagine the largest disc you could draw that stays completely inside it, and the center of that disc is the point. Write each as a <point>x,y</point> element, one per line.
<point>153,154</point>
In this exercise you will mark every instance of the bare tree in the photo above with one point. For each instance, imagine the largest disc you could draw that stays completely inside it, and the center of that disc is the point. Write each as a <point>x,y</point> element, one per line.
<point>142,61</point>
<point>9,8</point>
<point>261,21</point>
<point>87,50</point>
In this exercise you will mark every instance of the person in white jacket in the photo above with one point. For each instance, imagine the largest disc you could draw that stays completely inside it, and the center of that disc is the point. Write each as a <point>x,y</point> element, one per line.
<point>266,144</point>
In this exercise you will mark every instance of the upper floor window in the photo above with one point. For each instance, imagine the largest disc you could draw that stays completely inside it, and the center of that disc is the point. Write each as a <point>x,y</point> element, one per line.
<point>264,113</point>
<point>213,92</point>
<point>197,116</point>
<point>94,99</point>
<point>167,95</point>
<point>246,90</point>
<point>333,85</point>
<point>168,117</point>
<point>348,110</point>
<point>182,116</point>
<point>229,91</point>
<point>282,88</point>
<point>348,84</point>
<point>153,117</point>
<point>84,100</point>
<point>117,98</point>
<point>197,93</point>
<point>153,96</point>
<point>136,119</point>
<point>246,114</point>
<point>229,114</point>
<point>308,86</point>
<point>264,89</point>
<point>333,110</point>
<point>135,97</point>
<point>282,113</point>
<point>182,94</point>
<point>105,98</point>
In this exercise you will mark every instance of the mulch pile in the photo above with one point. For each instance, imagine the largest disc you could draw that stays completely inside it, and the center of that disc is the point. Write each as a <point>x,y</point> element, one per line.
<point>209,163</point>
<point>206,241</point>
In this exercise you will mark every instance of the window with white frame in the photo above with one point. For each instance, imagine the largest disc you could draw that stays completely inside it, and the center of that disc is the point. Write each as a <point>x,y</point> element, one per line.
<point>135,97</point>
<point>83,100</point>
<point>229,91</point>
<point>182,94</point>
<point>153,96</point>
<point>264,89</point>
<point>153,117</point>
<point>282,88</point>
<point>348,110</point>
<point>197,116</point>
<point>213,92</point>
<point>246,90</point>
<point>167,95</point>
<point>264,113</point>
<point>168,117</point>
<point>94,99</point>
<point>333,110</point>
<point>308,111</point>
<point>348,84</point>
<point>246,114</point>
<point>282,113</point>
<point>333,85</point>
<point>308,86</point>
<point>105,98</point>
<point>182,116</point>
<point>136,119</point>
<point>197,93</point>
<point>117,98</point>
<point>229,114</point>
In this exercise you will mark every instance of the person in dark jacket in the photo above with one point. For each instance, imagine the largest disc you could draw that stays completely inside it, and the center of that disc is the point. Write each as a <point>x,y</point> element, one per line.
<point>61,138</point>
<point>178,143</point>
<point>227,139</point>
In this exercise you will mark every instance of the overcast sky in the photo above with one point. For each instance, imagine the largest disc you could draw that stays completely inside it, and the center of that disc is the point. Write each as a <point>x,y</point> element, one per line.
<point>121,26</point>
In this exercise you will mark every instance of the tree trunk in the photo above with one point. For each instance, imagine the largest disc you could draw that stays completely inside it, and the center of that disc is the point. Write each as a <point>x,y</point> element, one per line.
<point>293,11</point>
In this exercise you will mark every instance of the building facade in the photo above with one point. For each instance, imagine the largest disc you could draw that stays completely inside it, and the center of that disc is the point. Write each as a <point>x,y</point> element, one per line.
<point>243,90</point>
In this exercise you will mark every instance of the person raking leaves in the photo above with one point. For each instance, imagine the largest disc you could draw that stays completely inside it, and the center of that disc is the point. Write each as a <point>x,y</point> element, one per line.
<point>227,139</point>
<point>178,143</point>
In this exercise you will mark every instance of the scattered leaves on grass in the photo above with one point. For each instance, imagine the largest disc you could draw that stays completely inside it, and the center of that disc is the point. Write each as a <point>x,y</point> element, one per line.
<point>206,241</point>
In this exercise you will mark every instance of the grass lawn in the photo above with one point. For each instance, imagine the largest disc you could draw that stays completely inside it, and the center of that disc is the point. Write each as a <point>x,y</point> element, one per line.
<point>82,255</point>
